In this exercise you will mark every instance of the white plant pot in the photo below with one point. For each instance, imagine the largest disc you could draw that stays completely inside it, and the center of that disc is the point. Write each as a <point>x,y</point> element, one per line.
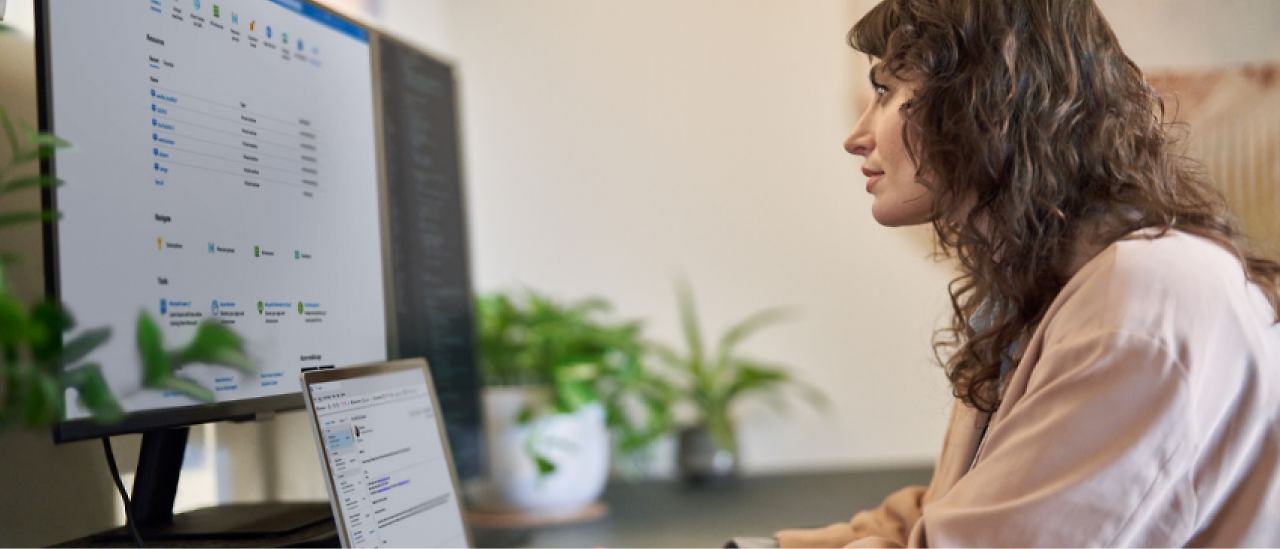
<point>577,443</point>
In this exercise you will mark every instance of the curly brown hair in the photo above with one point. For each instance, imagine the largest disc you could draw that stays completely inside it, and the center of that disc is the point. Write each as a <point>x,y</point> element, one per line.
<point>1032,129</point>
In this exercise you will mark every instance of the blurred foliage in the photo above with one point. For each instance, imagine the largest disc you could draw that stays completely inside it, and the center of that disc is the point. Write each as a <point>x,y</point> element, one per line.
<point>575,349</point>
<point>715,379</point>
<point>38,365</point>
<point>532,339</point>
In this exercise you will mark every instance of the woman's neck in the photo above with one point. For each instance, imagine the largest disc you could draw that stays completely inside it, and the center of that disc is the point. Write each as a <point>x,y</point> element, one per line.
<point>1094,236</point>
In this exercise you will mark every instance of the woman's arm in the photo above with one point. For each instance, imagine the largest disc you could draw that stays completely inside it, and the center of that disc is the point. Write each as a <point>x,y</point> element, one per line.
<point>890,524</point>
<point>891,521</point>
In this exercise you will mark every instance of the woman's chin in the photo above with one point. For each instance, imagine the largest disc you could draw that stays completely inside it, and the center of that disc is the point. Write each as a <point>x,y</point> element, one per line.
<point>897,217</point>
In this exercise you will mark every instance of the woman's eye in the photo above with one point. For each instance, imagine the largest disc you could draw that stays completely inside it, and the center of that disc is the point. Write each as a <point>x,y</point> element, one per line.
<point>881,91</point>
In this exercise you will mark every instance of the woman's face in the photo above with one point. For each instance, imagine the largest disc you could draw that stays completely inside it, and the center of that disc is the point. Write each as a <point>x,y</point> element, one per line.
<point>891,175</point>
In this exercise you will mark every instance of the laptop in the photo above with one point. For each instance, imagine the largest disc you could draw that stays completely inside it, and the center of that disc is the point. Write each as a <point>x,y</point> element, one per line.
<point>385,456</point>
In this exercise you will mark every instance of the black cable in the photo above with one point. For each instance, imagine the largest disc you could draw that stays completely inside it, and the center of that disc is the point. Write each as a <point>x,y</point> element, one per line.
<point>124,495</point>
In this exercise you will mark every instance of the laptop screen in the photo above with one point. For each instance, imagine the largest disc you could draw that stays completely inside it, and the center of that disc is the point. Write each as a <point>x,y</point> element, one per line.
<point>390,476</point>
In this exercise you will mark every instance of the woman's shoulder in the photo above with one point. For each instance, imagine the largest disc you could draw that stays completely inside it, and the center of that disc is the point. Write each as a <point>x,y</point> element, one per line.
<point>1172,264</point>
<point>1173,260</point>
<point>1162,284</point>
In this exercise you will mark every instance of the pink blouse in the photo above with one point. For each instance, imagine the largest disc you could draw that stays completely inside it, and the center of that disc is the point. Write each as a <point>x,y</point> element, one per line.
<point>1145,411</point>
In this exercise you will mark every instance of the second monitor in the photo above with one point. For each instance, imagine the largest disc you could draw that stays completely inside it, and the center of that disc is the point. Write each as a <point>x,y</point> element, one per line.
<point>430,304</point>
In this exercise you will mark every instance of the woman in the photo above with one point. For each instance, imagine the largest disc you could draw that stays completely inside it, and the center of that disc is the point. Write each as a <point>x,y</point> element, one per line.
<point>1115,350</point>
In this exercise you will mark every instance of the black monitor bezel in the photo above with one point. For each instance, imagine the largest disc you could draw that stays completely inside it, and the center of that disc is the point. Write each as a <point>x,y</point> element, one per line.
<point>180,416</point>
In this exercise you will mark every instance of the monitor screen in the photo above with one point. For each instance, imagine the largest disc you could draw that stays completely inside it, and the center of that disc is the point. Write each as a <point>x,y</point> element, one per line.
<point>224,167</point>
<point>431,278</point>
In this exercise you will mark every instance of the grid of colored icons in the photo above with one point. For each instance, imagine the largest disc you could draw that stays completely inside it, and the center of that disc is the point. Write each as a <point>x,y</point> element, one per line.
<point>253,26</point>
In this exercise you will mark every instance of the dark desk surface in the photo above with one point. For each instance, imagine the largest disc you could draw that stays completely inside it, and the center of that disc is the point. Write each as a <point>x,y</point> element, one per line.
<point>659,514</point>
<point>662,514</point>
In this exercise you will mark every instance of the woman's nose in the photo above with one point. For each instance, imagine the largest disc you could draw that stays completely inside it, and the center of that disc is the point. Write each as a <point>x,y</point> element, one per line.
<point>859,143</point>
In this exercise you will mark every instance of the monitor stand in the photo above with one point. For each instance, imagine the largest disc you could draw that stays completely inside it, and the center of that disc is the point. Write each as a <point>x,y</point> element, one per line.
<point>257,524</point>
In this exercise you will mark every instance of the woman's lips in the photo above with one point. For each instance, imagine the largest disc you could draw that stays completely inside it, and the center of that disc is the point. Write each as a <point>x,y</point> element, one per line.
<point>872,177</point>
<point>871,182</point>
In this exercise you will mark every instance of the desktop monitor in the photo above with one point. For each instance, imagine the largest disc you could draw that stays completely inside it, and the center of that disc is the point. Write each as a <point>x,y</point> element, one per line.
<point>224,168</point>
<point>267,164</point>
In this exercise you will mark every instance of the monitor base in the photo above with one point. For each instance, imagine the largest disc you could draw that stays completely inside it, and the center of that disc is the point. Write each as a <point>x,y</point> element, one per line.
<point>300,524</point>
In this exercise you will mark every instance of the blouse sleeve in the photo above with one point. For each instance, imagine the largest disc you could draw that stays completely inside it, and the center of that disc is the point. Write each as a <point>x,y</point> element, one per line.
<point>891,522</point>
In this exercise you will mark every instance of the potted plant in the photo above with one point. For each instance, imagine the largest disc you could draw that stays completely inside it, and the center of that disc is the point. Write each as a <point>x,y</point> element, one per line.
<point>714,380</point>
<point>37,367</point>
<point>560,379</point>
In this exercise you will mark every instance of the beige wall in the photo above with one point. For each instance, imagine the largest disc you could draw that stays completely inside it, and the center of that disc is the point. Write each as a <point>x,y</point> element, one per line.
<point>1195,33</point>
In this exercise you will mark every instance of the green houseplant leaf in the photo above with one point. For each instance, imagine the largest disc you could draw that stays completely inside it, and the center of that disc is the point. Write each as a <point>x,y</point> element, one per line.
<point>184,386</point>
<point>9,133</point>
<point>44,400</point>
<point>20,218</point>
<point>755,377</point>
<point>155,362</point>
<point>157,367</point>
<point>545,466</point>
<point>748,327</point>
<point>43,145</point>
<point>93,393</point>
<point>580,353</point>
<point>213,344</point>
<point>42,139</point>
<point>13,320</point>
<point>714,390</point>
<point>575,386</point>
<point>34,181</point>
<point>45,326</point>
<point>75,350</point>
<point>689,324</point>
